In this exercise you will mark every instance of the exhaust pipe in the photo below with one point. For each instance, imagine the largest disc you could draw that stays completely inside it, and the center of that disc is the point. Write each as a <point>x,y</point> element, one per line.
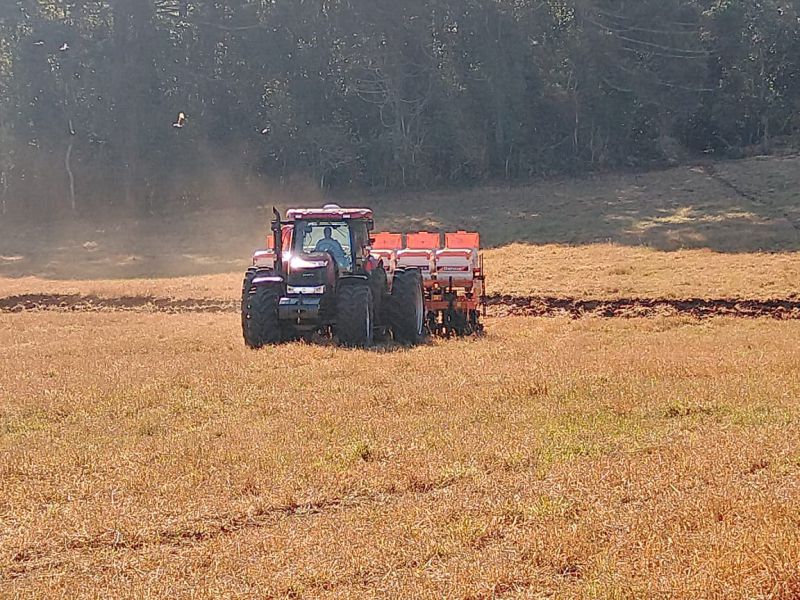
<point>277,241</point>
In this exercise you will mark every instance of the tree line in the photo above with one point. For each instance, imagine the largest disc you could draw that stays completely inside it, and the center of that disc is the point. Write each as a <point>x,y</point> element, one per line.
<point>125,101</point>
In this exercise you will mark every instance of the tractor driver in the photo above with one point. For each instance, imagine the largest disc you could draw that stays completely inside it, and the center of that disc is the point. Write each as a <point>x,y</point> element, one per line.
<point>328,244</point>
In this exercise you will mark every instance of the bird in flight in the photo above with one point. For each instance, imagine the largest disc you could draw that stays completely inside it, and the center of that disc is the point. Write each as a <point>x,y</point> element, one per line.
<point>180,122</point>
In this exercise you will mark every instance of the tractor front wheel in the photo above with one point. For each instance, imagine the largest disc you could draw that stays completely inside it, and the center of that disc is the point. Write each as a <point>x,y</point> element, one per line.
<point>247,285</point>
<point>260,323</point>
<point>354,317</point>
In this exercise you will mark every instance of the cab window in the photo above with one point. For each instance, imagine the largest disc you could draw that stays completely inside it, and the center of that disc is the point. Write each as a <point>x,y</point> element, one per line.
<point>325,236</point>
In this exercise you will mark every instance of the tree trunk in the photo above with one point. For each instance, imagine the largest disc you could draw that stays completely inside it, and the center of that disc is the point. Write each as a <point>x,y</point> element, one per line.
<point>4,195</point>
<point>499,122</point>
<point>576,131</point>
<point>68,166</point>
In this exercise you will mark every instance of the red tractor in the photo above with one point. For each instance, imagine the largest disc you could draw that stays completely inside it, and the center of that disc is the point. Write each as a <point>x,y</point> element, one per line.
<point>324,272</point>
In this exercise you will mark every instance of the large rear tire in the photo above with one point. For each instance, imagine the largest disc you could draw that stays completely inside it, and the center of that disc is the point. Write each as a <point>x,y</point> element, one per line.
<point>260,323</point>
<point>379,284</point>
<point>355,316</point>
<point>407,307</point>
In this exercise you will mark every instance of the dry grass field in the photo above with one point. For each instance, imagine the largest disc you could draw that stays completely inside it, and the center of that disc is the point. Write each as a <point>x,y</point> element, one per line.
<point>144,452</point>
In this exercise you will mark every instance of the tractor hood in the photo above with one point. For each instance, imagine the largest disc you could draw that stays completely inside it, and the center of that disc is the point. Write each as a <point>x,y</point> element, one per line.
<point>311,270</point>
<point>310,261</point>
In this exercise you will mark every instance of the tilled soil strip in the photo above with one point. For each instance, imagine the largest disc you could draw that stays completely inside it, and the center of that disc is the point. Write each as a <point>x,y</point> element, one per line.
<point>92,303</point>
<point>498,306</point>
<point>549,306</point>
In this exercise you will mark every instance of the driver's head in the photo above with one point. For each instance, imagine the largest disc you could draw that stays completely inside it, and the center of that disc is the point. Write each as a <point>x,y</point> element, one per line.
<point>327,233</point>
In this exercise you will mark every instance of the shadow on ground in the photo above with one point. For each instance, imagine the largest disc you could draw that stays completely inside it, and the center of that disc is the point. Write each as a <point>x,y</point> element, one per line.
<point>744,206</point>
<point>733,207</point>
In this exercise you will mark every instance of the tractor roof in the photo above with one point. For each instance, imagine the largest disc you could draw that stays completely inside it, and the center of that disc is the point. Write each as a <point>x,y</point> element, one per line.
<point>329,211</point>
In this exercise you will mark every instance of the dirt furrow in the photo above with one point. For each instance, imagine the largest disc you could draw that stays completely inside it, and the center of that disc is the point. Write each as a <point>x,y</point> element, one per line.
<point>498,306</point>
<point>549,306</point>
<point>92,303</point>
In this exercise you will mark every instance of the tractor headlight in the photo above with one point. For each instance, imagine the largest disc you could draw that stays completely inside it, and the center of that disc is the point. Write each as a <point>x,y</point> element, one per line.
<point>298,264</point>
<point>293,289</point>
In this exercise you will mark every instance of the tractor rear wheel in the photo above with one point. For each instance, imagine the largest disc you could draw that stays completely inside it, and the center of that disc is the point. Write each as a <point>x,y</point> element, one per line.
<point>406,307</point>
<point>260,324</point>
<point>355,316</point>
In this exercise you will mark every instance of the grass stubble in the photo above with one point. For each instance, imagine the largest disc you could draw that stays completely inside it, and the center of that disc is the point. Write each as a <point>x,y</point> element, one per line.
<point>151,455</point>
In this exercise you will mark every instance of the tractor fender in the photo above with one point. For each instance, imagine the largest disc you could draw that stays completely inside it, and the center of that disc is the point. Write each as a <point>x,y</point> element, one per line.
<point>264,279</point>
<point>352,279</point>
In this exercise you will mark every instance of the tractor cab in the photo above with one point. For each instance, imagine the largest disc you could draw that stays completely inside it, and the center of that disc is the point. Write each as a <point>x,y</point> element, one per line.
<point>344,234</point>
<point>325,245</point>
<point>309,237</point>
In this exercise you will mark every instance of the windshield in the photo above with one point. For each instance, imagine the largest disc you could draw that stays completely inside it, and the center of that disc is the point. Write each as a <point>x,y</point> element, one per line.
<point>332,237</point>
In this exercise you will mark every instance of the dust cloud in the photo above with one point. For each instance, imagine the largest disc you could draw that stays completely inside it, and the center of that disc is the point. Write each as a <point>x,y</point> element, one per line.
<point>208,221</point>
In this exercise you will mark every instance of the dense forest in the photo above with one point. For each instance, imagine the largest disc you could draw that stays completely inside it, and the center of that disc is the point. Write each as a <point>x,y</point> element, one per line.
<point>127,102</point>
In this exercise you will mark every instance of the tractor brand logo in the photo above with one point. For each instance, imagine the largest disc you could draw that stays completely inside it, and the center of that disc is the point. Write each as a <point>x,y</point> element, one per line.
<point>454,269</point>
